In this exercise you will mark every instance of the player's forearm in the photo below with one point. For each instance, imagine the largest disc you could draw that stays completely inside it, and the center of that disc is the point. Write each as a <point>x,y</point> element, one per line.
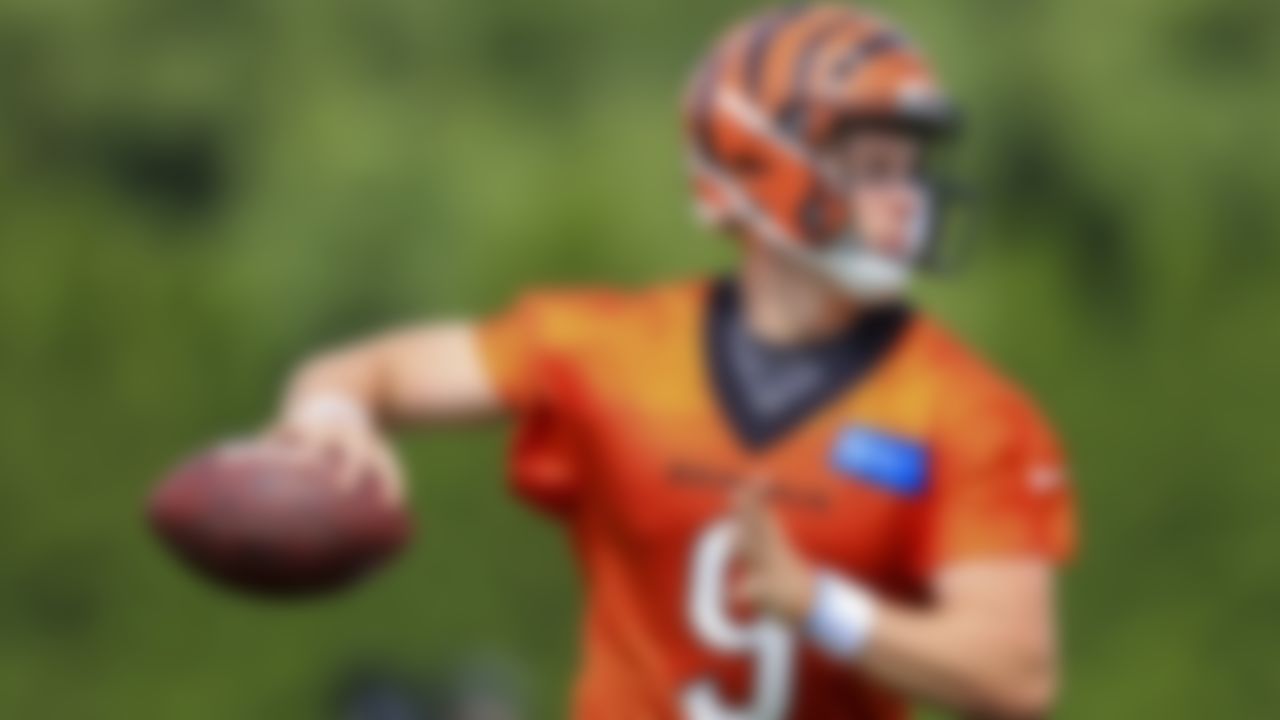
<point>431,373</point>
<point>350,374</point>
<point>984,647</point>
<point>984,664</point>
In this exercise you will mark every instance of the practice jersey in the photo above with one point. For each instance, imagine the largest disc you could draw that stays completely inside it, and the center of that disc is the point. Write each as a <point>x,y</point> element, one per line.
<point>625,435</point>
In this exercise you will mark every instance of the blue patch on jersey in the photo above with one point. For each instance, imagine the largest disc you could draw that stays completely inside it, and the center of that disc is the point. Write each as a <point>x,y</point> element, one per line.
<point>894,463</point>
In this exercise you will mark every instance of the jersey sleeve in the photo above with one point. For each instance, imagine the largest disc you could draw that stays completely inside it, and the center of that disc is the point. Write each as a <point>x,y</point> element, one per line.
<point>999,486</point>
<point>535,354</point>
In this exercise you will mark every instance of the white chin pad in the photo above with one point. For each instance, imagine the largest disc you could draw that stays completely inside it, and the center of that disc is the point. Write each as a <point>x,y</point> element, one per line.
<point>862,272</point>
<point>871,274</point>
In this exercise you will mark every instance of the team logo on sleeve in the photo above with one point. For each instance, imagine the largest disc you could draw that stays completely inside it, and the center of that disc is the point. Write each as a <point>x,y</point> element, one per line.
<point>894,463</point>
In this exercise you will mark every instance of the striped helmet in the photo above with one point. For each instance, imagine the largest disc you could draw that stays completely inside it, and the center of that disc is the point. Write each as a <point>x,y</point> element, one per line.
<point>771,92</point>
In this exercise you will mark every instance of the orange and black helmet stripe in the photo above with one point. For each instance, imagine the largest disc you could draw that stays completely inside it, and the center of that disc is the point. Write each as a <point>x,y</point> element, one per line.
<point>702,94</point>
<point>858,55</point>
<point>836,31</point>
<point>755,58</point>
<point>764,34</point>
<point>815,42</point>
<point>780,58</point>
<point>787,47</point>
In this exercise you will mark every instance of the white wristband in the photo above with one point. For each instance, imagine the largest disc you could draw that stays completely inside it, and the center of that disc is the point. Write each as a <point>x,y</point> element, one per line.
<point>328,409</point>
<point>842,617</point>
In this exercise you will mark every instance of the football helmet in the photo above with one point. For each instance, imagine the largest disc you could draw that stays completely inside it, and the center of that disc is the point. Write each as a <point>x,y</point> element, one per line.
<point>770,95</point>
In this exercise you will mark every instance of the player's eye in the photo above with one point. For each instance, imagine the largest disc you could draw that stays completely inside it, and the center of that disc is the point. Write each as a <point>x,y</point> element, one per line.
<point>881,170</point>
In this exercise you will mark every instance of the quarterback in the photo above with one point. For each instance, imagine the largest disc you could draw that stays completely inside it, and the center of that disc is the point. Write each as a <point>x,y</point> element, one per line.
<point>789,492</point>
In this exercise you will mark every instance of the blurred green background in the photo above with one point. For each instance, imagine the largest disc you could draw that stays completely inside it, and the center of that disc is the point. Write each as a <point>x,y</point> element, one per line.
<point>195,194</point>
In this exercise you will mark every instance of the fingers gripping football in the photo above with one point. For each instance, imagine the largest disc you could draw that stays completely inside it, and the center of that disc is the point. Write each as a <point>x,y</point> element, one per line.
<point>340,433</point>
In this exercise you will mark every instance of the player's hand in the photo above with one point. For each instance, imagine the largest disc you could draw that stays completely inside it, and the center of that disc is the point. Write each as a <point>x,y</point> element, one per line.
<point>339,432</point>
<point>776,578</point>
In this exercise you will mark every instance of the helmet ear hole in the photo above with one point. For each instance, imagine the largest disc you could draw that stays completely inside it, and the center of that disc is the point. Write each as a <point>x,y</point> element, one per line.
<point>821,218</point>
<point>792,119</point>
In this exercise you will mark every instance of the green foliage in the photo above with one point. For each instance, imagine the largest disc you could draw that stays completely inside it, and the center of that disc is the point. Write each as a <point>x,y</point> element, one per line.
<point>195,194</point>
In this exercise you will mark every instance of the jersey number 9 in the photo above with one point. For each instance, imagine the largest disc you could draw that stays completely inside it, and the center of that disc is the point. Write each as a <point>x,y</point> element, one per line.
<point>766,640</point>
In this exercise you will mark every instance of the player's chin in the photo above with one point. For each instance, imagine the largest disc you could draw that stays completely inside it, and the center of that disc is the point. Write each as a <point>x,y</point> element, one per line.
<point>889,241</point>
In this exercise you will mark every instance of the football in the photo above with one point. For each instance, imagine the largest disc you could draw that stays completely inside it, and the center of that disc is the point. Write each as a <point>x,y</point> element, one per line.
<point>262,517</point>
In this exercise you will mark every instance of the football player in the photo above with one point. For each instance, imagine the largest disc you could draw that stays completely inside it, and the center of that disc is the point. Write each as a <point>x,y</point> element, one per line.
<point>790,494</point>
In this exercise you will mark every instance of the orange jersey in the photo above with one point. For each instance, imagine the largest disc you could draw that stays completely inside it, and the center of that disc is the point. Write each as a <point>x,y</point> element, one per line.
<point>929,459</point>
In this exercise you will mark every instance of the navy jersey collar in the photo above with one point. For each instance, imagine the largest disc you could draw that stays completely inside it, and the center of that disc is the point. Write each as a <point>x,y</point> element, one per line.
<point>839,363</point>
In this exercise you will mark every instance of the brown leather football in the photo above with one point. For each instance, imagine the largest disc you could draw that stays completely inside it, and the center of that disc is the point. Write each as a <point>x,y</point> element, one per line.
<point>262,517</point>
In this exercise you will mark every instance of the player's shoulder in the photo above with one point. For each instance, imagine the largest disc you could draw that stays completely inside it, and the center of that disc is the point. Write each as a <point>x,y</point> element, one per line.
<point>968,388</point>
<point>600,310</point>
<point>613,298</point>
